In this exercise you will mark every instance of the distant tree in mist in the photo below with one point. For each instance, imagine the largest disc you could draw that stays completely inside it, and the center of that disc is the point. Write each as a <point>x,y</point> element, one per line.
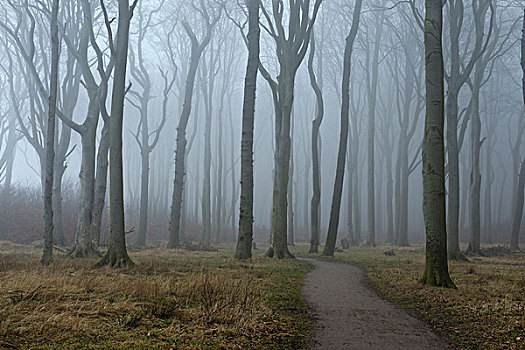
<point>210,17</point>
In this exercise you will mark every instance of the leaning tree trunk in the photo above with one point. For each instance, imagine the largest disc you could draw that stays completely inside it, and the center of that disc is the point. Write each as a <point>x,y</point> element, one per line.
<point>50,139</point>
<point>316,177</point>
<point>180,153</point>
<point>343,140</point>
<point>436,264</point>
<point>117,255</point>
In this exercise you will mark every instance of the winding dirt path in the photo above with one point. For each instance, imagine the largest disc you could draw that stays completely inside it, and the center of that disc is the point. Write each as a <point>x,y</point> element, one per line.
<point>349,314</point>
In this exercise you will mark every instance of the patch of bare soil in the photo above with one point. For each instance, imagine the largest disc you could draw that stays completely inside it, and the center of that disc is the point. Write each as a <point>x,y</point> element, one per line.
<point>349,314</point>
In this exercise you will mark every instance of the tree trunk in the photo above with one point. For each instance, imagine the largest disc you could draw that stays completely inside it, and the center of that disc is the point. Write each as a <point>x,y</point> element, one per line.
<point>117,255</point>
<point>518,212</point>
<point>371,137</point>
<point>144,183</point>
<point>83,241</point>
<point>279,219</point>
<point>291,201</point>
<point>50,138</point>
<point>315,225</point>
<point>333,225</point>
<point>454,252</point>
<point>475,174</point>
<point>436,264</point>
<point>180,152</point>
<point>99,199</point>
<point>244,238</point>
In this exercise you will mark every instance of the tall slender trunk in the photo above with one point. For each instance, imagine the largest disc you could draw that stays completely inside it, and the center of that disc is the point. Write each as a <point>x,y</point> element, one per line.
<point>145,169</point>
<point>372,97</point>
<point>453,174</point>
<point>315,225</point>
<point>180,153</point>
<point>333,225</point>
<point>489,180</point>
<point>475,174</point>
<point>244,239</point>
<point>518,212</point>
<point>50,138</point>
<point>291,201</point>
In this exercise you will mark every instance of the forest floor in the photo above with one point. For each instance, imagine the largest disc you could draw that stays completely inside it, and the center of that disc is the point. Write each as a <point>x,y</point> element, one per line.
<point>485,312</point>
<point>169,300</point>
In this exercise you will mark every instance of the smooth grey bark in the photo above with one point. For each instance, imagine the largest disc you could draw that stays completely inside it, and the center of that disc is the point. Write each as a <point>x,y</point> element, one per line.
<point>333,225</point>
<point>117,255</point>
<point>245,236</point>
<point>178,185</point>
<point>436,263</point>
<point>315,222</point>
<point>50,138</point>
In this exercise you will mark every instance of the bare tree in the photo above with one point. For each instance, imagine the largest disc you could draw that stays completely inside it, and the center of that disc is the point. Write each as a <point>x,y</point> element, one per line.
<point>331,236</point>
<point>117,255</point>
<point>143,135</point>
<point>291,49</point>
<point>197,48</point>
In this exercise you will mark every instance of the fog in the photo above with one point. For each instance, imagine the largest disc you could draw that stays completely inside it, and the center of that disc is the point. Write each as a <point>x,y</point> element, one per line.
<point>387,94</point>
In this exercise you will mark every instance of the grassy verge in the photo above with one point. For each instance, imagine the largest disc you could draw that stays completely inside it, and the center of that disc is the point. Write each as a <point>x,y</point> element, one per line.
<point>487,311</point>
<point>170,299</point>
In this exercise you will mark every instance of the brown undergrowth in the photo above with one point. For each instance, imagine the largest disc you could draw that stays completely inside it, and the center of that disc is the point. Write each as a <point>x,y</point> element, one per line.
<point>487,311</point>
<point>170,299</point>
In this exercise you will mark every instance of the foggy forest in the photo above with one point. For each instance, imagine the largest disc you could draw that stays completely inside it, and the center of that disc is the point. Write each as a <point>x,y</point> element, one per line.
<point>262,174</point>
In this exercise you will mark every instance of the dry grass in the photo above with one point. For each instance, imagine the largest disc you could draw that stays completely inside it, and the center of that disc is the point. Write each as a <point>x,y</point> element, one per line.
<point>487,311</point>
<point>171,299</point>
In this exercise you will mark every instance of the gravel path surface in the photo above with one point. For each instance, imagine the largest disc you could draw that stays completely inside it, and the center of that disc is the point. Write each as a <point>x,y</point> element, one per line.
<point>349,314</point>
